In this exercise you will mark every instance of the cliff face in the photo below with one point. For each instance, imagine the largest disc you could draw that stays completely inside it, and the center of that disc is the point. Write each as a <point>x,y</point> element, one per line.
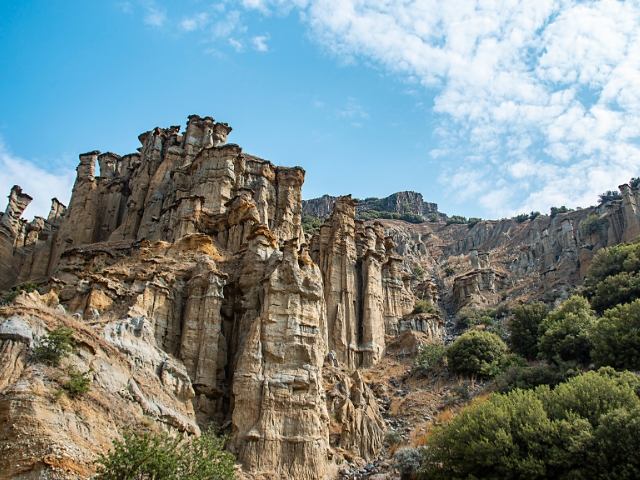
<point>401,202</point>
<point>196,298</point>
<point>188,259</point>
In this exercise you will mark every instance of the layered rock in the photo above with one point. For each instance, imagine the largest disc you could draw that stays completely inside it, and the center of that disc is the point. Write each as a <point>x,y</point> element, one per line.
<point>363,287</point>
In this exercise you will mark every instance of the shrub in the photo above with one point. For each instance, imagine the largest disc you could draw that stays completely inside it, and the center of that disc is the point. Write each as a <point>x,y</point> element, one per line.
<point>474,353</point>
<point>565,334</point>
<point>429,358</point>
<point>613,260</point>
<point>592,224</point>
<point>616,336</point>
<point>433,217</point>
<point>609,196</point>
<point>526,378</point>
<point>472,221</point>
<point>534,215</point>
<point>54,346</point>
<point>392,437</point>
<point>556,210</point>
<point>79,382</point>
<point>311,224</point>
<point>523,217</point>
<point>10,296</point>
<point>523,328</point>
<point>456,219</point>
<point>423,306</point>
<point>408,461</point>
<point>471,316</point>
<point>621,288</point>
<point>449,271</point>
<point>148,455</point>
<point>634,182</point>
<point>418,271</point>
<point>578,430</point>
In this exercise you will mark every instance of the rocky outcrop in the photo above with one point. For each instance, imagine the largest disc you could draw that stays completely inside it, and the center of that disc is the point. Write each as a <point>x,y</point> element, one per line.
<point>363,287</point>
<point>401,202</point>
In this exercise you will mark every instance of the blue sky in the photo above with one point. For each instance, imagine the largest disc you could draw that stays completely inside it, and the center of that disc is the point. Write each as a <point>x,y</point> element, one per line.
<point>488,108</point>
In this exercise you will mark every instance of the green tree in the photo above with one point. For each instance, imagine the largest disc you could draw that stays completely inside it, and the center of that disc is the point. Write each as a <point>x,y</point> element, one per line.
<point>456,219</point>
<point>475,353</point>
<point>565,334</point>
<point>473,221</point>
<point>585,428</point>
<point>157,456</point>
<point>423,306</point>
<point>55,345</point>
<point>615,289</point>
<point>429,358</point>
<point>523,328</point>
<point>616,336</point>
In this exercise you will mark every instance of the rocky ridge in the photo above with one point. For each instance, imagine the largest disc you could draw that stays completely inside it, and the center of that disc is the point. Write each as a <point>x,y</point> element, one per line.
<point>197,298</point>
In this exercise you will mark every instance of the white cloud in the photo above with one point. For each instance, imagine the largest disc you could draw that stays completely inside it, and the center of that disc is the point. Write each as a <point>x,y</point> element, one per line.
<point>260,43</point>
<point>155,17</point>
<point>237,45</point>
<point>538,96</point>
<point>353,110</point>
<point>40,184</point>
<point>196,22</point>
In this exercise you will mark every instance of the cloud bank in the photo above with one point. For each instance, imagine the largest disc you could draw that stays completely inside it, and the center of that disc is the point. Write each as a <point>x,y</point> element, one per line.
<point>537,100</point>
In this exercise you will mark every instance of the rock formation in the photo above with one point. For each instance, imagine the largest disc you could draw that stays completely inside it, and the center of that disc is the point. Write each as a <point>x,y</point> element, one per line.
<point>196,298</point>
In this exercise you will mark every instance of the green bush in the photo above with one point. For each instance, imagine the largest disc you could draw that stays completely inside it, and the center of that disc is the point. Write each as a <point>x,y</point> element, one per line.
<point>418,272</point>
<point>612,261</point>
<point>55,345</point>
<point>523,328</point>
<point>429,358</point>
<point>616,336</point>
<point>311,224</point>
<point>615,289</point>
<point>526,378</point>
<point>456,220</point>
<point>408,460</point>
<point>609,196</point>
<point>585,428</point>
<point>10,296</point>
<point>592,224</point>
<point>148,455</point>
<point>423,306</point>
<point>565,334</point>
<point>449,271</point>
<point>523,217</point>
<point>78,382</point>
<point>433,217</point>
<point>556,210</point>
<point>392,437</point>
<point>476,353</point>
<point>373,214</point>
<point>534,215</point>
<point>473,221</point>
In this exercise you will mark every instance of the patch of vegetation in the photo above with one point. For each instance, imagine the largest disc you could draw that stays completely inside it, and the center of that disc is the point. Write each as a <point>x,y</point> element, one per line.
<point>11,295</point>
<point>584,428</point>
<point>609,196</point>
<point>148,455</point>
<point>634,182</point>
<point>55,345</point>
<point>418,272</point>
<point>616,336</point>
<point>565,334</point>
<point>475,353</point>
<point>408,460</point>
<point>556,210</point>
<point>449,271</point>
<point>98,268</point>
<point>526,378</point>
<point>472,221</point>
<point>433,217</point>
<point>423,306</point>
<point>456,219</point>
<point>534,215</point>
<point>78,383</point>
<point>593,224</point>
<point>373,214</point>
<point>311,224</point>
<point>392,437</point>
<point>523,328</point>
<point>429,358</point>
<point>523,217</point>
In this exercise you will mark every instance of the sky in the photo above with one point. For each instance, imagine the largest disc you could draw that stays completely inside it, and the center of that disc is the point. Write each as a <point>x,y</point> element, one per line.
<point>489,108</point>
